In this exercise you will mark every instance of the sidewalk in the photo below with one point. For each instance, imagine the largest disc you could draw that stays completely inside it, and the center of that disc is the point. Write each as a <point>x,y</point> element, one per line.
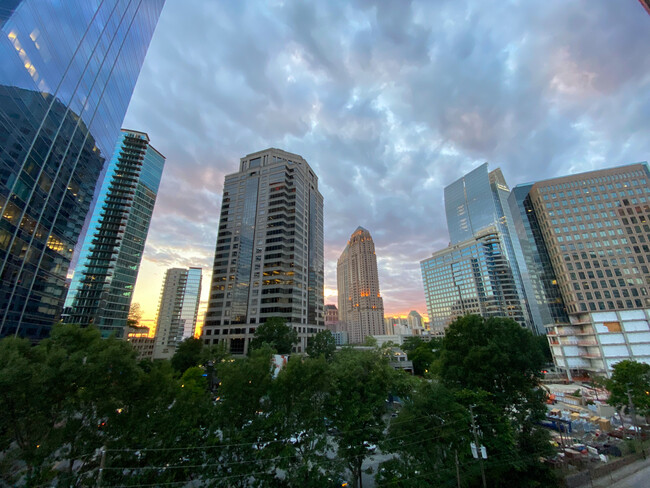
<point>620,474</point>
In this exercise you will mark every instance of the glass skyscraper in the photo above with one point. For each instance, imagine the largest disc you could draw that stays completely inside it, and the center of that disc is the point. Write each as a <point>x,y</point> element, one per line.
<point>269,254</point>
<point>68,72</point>
<point>178,310</point>
<point>481,228</point>
<point>545,298</point>
<point>103,282</point>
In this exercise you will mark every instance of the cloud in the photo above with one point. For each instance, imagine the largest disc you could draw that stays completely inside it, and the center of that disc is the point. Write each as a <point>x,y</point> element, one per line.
<point>389,102</point>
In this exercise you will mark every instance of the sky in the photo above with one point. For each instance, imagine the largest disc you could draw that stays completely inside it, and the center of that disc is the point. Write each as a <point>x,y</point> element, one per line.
<point>389,101</point>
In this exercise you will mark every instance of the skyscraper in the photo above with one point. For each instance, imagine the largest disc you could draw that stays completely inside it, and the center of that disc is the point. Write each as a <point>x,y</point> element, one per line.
<point>361,308</point>
<point>103,282</point>
<point>177,311</point>
<point>269,254</point>
<point>481,270</point>
<point>593,231</point>
<point>68,72</point>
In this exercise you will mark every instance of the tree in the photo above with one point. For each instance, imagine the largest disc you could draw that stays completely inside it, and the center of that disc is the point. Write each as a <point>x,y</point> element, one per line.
<point>59,395</point>
<point>494,365</point>
<point>299,400</point>
<point>422,353</point>
<point>322,343</point>
<point>362,381</point>
<point>542,343</point>
<point>430,432</point>
<point>188,354</point>
<point>277,334</point>
<point>370,341</point>
<point>634,377</point>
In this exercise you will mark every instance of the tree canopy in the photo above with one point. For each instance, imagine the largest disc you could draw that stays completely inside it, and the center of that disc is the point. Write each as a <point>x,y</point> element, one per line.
<point>277,334</point>
<point>322,343</point>
<point>634,377</point>
<point>75,396</point>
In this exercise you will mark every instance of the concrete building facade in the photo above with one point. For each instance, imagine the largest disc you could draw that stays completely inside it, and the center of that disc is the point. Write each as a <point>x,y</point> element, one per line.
<point>595,229</point>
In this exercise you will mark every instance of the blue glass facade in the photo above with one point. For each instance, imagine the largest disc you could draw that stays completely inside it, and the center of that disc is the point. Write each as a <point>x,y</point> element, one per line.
<point>68,72</point>
<point>477,201</point>
<point>102,286</point>
<point>469,205</point>
<point>471,277</point>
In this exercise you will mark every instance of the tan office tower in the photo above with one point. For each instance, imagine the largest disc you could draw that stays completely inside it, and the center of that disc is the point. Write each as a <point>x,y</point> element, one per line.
<point>361,308</point>
<point>593,229</point>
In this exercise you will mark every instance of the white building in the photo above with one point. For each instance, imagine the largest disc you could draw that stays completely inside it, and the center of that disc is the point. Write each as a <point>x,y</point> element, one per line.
<point>177,311</point>
<point>595,342</point>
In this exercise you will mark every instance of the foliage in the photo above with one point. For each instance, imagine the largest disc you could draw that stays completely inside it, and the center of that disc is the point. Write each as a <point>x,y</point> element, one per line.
<point>495,365</point>
<point>430,431</point>
<point>542,343</point>
<point>322,344</point>
<point>75,395</point>
<point>362,382</point>
<point>370,341</point>
<point>635,377</point>
<point>188,354</point>
<point>298,406</point>
<point>58,396</point>
<point>422,353</point>
<point>277,334</point>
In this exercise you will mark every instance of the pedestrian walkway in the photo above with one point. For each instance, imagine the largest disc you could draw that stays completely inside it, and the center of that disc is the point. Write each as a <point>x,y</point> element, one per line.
<point>617,479</point>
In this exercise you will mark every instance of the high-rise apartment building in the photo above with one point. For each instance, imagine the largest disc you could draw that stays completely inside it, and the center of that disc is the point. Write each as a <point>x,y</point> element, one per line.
<point>361,308</point>
<point>593,230</point>
<point>177,311</point>
<point>68,72</point>
<point>102,286</point>
<point>481,271</point>
<point>269,253</point>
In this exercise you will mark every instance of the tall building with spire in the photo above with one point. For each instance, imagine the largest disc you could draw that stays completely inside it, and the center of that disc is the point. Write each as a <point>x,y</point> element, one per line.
<point>269,255</point>
<point>102,286</point>
<point>177,311</point>
<point>361,308</point>
<point>68,72</point>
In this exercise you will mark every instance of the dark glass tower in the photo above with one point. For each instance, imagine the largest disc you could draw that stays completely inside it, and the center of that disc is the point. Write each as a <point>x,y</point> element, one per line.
<point>546,295</point>
<point>269,255</point>
<point>103,282</point>
<point>68,72</point>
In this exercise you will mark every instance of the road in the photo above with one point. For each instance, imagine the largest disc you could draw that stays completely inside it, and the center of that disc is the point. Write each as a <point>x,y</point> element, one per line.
<point>637,479</point>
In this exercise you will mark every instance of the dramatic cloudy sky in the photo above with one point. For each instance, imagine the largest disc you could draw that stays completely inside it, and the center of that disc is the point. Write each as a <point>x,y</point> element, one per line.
<point>388,101</point>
